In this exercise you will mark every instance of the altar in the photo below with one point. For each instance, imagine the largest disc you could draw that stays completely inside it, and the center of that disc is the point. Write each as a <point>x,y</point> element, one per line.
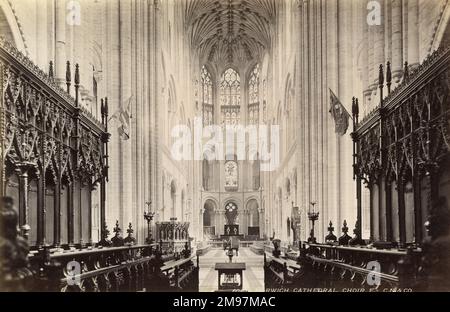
<point>231,230</point>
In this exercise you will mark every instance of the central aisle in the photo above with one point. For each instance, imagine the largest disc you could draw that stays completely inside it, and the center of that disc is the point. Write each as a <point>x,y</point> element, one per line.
<point>253,275</point>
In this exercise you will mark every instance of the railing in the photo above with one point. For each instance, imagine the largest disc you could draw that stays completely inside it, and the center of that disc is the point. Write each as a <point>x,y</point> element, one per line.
<point>368,268</point>
<point>123,267</point>
<point>127,268</point>
<point>336,266</point>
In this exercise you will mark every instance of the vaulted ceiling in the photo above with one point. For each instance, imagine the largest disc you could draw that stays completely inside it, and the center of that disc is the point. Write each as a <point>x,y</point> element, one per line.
<point>230,31</point>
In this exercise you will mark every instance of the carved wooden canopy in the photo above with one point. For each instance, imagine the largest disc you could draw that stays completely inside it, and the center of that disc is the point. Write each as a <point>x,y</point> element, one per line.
<point>409,135</point>
<point>44,128</point>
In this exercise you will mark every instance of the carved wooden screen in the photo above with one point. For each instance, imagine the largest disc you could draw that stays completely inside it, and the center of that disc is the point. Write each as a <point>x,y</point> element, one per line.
<point>53,152</point>
<point>403,152</point>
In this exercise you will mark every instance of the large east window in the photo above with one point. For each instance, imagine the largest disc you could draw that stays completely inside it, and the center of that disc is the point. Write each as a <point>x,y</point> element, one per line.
<point>230,97</point>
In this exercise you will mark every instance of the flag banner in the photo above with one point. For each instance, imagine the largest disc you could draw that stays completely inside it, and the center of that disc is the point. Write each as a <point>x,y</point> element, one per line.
<point>340,115</point>
<point>123,116</point>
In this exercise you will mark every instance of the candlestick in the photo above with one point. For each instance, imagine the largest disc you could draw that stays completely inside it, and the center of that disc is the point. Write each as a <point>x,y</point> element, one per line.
<point>313,217</point>
<point>148,216</point>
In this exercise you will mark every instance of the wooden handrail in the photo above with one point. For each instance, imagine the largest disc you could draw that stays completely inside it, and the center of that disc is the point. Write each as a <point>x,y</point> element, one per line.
<point>336,263</point>
<point>93,251</point>
<point>175,263</point>
<point>394,252</point>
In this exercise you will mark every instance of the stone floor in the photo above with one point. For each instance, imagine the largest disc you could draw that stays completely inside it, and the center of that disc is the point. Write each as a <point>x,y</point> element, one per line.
<point>253,275</point>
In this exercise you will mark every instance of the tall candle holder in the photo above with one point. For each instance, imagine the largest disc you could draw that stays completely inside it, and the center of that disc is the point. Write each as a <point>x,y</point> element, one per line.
<point>313,217</point>
<point>148,216</point>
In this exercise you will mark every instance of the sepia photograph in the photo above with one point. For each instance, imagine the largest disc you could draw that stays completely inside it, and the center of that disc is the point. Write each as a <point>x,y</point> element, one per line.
<point>242,148</point>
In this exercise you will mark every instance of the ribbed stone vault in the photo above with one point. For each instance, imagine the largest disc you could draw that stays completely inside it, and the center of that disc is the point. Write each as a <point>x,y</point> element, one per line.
<point>230,31</point>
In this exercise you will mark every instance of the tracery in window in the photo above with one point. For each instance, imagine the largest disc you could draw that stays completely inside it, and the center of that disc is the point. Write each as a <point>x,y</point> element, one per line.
<point>231,213</point>
<point>253,85</point>
<point>230,96</point>
<point>207,96</point>
<point>231,175</point>
<point>253,96</point>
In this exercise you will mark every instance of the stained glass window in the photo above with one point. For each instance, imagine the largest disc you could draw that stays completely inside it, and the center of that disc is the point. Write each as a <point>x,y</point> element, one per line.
<point>206,86</point>
<point>231,213</point>
<point>231,174</point>
<point>230,96</point>
<point>253,96</point>
<point>253,85</point>
<point>207,96</point>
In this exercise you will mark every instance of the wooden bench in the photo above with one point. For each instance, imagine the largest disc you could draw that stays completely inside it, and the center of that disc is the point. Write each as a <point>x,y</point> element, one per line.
<point>280,271</point>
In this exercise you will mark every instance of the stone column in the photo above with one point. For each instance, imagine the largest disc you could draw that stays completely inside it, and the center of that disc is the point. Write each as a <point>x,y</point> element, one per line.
<point>332,146</point>
<point>126,91</point>
<point>42,58</point>
<point>387,31</point>
<point>60,44</point>
<point>365,59</point>
<point>373,73</point>
<point>262,222</point>
<point>22,172</point>
<point>397,41</point>
<point>144,106</point>
<point>347,201</point>
<point>157,93</point>
<point>314,87</point>
<point>201,225</point>
<point>222,222</point>
<point>112,84</point>
<point>243,222</point>
<point>413,33</point>
<point>299,115</point>
<point>378,54</point>
<point>308,50</point>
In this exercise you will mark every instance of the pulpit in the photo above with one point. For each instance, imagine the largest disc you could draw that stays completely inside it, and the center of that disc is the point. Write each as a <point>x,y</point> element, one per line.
<point>172,236</point>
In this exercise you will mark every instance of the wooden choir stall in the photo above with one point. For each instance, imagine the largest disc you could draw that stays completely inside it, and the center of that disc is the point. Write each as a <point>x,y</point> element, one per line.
<point>54,156</point>
<point>402,158</point>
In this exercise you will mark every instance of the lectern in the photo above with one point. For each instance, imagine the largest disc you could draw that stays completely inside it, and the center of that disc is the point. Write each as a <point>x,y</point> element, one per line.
<point>230,276</point>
